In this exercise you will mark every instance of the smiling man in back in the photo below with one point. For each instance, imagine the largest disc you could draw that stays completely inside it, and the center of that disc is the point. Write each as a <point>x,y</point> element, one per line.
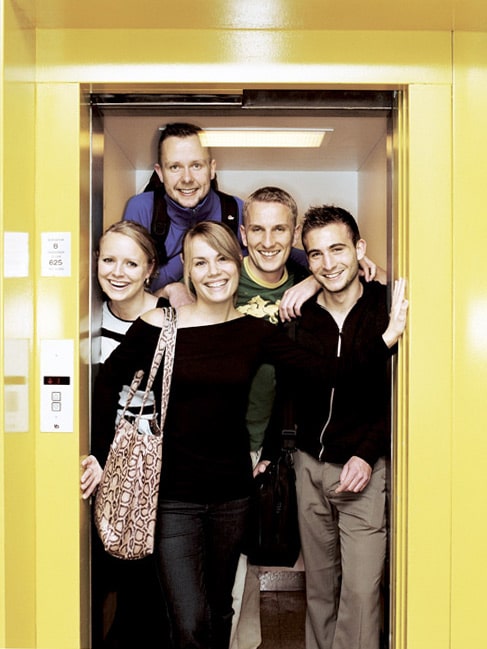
<point>185,195</point>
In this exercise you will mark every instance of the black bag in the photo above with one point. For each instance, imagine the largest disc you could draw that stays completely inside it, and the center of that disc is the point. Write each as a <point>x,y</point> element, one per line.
<point>273,538</point>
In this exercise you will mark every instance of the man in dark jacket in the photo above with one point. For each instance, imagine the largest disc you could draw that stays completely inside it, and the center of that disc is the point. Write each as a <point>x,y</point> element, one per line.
<point>343,438</point>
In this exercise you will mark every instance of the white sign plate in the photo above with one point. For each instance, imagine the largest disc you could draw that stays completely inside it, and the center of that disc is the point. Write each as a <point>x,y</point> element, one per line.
<point>15,254</point>
<point>56,254</point>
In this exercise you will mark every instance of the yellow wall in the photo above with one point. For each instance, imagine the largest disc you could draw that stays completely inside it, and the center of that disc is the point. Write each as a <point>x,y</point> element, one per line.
<point>18,469</point>
<point>58,315</point>
<point>439,559</point>
<point>2,456</point>
<point>236,58</point>
<point>41,596</point>
<point>428,386</point>
<point>469,289</point>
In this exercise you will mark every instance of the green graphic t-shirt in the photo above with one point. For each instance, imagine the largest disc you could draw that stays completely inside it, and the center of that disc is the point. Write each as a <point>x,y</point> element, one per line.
<point>261,300</point>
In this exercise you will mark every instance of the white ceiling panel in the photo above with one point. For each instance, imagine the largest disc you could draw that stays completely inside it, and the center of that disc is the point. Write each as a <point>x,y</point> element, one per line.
<point>346,148</point>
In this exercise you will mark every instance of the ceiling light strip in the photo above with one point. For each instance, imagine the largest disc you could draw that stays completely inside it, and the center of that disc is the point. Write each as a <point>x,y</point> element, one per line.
<point>263,137</point>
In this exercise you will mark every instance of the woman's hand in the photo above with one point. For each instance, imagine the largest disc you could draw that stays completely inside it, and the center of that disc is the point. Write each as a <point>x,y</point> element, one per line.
<point>91,476</point>
<point>398,314</point>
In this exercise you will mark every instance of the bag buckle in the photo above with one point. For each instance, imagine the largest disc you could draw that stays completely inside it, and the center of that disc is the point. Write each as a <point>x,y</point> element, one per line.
<point>288,439</point>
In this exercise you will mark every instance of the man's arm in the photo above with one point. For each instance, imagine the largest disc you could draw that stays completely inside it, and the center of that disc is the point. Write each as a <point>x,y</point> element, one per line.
<point>177,294</point>
<point>294,298</point>
<point>370,271</point>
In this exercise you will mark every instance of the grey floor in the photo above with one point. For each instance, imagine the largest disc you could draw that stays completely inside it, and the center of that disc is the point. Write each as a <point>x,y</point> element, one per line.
<point>282,619</point>
<point>282,615</point>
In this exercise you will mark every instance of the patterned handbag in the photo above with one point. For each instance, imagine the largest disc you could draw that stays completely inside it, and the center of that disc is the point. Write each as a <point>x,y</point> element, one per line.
<point>126,499</point>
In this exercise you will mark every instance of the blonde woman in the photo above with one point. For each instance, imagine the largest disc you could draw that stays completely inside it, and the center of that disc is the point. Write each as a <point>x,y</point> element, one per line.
<point>126,265</point>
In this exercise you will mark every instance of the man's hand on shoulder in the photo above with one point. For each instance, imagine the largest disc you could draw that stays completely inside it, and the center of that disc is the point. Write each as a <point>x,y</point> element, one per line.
<point>294,298</point>
<point>177,294</point>
<point>370,271</point>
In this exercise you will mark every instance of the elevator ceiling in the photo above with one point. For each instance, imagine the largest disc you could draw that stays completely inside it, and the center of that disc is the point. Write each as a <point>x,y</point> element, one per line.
<point>356,124</point>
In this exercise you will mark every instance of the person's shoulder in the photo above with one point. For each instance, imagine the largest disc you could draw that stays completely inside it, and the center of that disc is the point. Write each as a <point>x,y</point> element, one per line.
<point>309,307</point>
<point>374,302</point>
<point>257,328</point>
<point>142,198</point>
<point>297,271</point>
<point>137,205</point>
<point>144,330</point>
<point>250,321</point>
<point>374,290</point>
<point>226,195</point>
<point>219,191</point>
<point>313,317</point>
<point>154,317</point>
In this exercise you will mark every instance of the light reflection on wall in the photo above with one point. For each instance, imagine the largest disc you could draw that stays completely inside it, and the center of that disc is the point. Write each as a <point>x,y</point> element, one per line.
<point>477,328</point>
<point>254,14</point>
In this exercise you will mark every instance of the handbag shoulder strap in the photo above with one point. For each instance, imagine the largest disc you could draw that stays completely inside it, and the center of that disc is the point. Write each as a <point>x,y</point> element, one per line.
<point>169,331</point>
<point>165,347</point>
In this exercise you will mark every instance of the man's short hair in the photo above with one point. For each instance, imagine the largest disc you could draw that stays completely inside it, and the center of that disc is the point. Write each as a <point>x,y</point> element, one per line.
<point>271,195</point>
<point>176,129</point>
<point>323,215</point>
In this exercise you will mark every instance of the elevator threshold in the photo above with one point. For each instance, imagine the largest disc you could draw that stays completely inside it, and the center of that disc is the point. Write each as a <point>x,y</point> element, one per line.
<point>276,579</point>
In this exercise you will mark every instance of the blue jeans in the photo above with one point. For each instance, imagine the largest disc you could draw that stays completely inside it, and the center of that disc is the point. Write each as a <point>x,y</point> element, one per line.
<point>197,552</point>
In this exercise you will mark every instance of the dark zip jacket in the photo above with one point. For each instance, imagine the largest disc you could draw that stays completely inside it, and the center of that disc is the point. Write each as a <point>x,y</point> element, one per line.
<point>352,418</point>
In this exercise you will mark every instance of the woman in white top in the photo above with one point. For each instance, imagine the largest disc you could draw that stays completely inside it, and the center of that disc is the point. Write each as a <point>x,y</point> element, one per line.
<point>126,264</point>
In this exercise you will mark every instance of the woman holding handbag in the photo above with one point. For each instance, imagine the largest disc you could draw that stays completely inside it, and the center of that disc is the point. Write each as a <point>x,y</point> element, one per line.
<point>126,260</point>
<point>206,474</point>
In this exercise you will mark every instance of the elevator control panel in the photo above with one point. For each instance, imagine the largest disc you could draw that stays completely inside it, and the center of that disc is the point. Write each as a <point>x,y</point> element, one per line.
<point>57,390</point>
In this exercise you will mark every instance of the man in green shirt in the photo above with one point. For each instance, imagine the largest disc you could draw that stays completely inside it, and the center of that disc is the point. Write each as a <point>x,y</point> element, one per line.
<point>270,229</point>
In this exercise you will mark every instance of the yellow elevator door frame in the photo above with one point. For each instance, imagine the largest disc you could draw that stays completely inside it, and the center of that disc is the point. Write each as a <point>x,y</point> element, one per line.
<point>52,560</point>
